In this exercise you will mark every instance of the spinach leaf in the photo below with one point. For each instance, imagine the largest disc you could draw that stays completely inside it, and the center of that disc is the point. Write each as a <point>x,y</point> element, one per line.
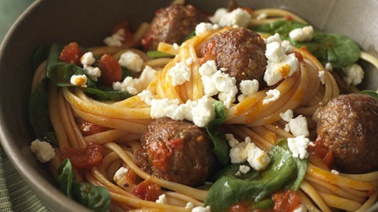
<point>370,93</point>
<point>107,94</point>
<point>39,56</point>
<point>336,49</point>
<point>283,170</point>
<point>39,114</point>
<point>96,198</point>
<point>221,148</point>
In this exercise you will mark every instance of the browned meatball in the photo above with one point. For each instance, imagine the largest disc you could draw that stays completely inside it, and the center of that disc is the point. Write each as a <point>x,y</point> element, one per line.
<point>177,151</point>
<point>347,126</point>
<point>172,25</point>
<point>241,51</point>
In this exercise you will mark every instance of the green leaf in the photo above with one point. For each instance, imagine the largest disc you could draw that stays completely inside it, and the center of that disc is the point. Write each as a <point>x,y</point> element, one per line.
<point>96,198</point>
<point>371,93</point>
<point>60,73</point>
<point>158,54</point>
<point>66,177</point>
<point>336,49</point>
<point>39,114</point>
<point>107,95</point>
<point>39,56</point>
<point>221,148</point>
<point>280,174</point>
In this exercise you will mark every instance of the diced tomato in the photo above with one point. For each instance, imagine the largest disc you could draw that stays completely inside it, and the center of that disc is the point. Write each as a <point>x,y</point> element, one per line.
<point>322,152</point>
<point>289,18</point>
<point>285,201</point>
<point>147,190</point>
<point>110,70</point>
<point>89,128</point>
<point>161,155</point>
<point>239,207</point>
<point>145,42</point>
<point>125,26</point>
<point>298,55</point>
<point>71,53</point>
<point>84,158</point>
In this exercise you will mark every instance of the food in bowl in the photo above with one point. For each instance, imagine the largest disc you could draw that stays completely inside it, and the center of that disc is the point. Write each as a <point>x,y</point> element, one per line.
<point>224,118</point>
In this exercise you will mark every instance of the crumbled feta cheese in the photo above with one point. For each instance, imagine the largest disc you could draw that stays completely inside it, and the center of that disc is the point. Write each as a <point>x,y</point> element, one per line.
<point>300,208</point>
<point>79,80</point>
<point>87,59</point>
<point>116,39</point>
<point>189,205</point>
<point>271,96</point>
<point>248,151</point>
<point>201,209</point>
<point>239,17</point>
<point>201,112</point>
<point>302,34</point>
<point>180,73</point>
<point>43,150</point>
<point>121,172</point>
<point>335,172</point>
<point>93,72</point>
<point>132,61</point>
<point>287,115</point>
<point>162,199</point>
<point>329,67</point>
<point>353,74</point>
<point>280,64</point>
<point>298,146</point>
<point>136,85</point>
<point>298,126</point>
<point>204,28</point>
<point>231,140</point>
<point>247,88</point>
<point>261,16</point>
<point>321,77</point>
<point>243,169</point>
<point>217,82</point>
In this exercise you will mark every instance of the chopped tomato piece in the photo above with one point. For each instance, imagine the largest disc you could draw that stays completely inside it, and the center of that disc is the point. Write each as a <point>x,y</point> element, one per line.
<point>84,157</point>
<point>71,53</point>
<point>125,26</point>
<point>285,201</point>
<point>89,128</point>
<point>145,42</point>
<point>322,152</point>
<point>110,70</point>
<point>289,18</point>
<point>148,191</point>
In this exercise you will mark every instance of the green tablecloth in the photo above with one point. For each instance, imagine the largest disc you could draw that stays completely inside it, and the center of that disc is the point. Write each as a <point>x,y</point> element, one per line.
<point>15,194</point>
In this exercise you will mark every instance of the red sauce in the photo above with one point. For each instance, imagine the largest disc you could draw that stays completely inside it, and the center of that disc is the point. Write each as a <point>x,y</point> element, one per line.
<point>71,53</point>
<point>160,155</point>
<point>285,201</point>
<point>146,42</point>
<point>84,158</point>
<point>148,191</point>
<point>110,70</point>
<point>322,152</point>
<point>89,128</point>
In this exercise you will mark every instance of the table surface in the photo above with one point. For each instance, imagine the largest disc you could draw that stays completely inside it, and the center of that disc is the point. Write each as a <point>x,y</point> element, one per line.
<point>15,194</point>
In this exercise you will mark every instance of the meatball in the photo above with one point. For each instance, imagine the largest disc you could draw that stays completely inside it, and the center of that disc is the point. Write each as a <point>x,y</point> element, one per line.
<point>177,151</point>
<point>347,126</point>
<point>172,25</point>
<point>241,51</point>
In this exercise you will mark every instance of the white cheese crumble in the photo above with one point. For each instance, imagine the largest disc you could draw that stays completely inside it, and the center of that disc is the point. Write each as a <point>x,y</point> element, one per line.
<point>248,151</point>
<point>136,85</point>
<point>115,39</point>
<point>328,66</point>
<point>180,73</point>
<point>298,146</point>
<point>200,112</point>
<point>353,74</point>
<point>297,126</point>
<point>162,199</point>
<point>79,80</point>
<point>201,209</point>
<point>87,61</point>
<point>239,17</point>
<point>121,172</point>
<point>302,34</point>
<point>189,205</point>
<point>205,28</point>
<point>321,76</point>
<point>243,169</point>
<point>287,115</point>
<point>132,61</point>
<point>335,172</point>
<point>300,208</point>
<point>216,82</point>
<point>271,96</point>
<point>280,63</point>
<point>43,150</point>
<point>247,88</point>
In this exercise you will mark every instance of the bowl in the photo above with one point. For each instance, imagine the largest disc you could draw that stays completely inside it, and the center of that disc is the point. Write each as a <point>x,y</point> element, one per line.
<point>89,21</point>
